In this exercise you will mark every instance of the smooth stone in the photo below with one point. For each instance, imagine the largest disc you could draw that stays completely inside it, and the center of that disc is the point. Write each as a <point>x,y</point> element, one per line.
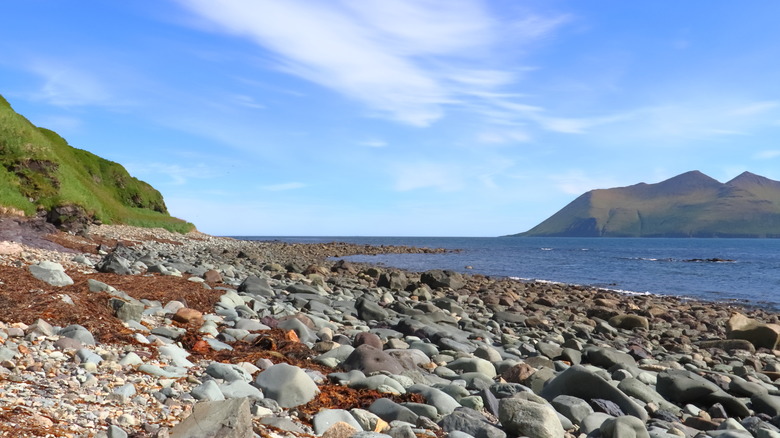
<point>51,273</point>
<point>217,345</point>
<point>169,332</point>
<point>471,422</point>
<point>369,359</point>
<point>227,372</point>
<point>167,372</point>
<point>240,389</point>
<point>289,385</point>
<point>389,410</point>
<point>580,382</point>
<point>115,431</point>
<point>757,333</point>
<point>443,402</point>
<point>766,404</point>
<point>326,418</point>
<point>527,414</point>
<point>207,391</point>
<point>624,427</point>
<point>79,333</point>
<point>177,355</point>
<point>473,364</point>
<point>224,419</point>
<point>593,422</point>
<point>573,408</point>
<point>87,356</point>
<point>376,382</point>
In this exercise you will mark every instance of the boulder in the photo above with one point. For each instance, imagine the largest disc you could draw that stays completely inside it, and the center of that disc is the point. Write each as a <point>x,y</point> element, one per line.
<point>395,280</point>
<point>289,385</point>
<point>756,332</point>
<point>629,322</point>
<point>624,427</point>
<point>254,285</point>
<point>580,382</point>
<point>370,359</point>
<point>443,279</point>
<point>529,415</point>
<point>471,422</point>
<point>115,264</point>
<point>51,273</point>
<point>224,419</point>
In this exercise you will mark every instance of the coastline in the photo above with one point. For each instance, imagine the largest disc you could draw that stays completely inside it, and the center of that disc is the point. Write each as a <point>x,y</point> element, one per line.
<point>204,316</point>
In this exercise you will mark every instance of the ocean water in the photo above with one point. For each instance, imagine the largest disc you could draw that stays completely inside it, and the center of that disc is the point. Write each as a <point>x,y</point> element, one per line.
<point>748,270</point>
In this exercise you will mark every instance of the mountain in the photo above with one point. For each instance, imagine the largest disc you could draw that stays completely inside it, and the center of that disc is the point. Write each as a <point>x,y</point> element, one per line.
<point>41,175</point>
<point>687,205</point>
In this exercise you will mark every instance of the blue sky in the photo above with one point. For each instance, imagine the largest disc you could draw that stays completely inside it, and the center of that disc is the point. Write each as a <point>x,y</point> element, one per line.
<point>398,117</point>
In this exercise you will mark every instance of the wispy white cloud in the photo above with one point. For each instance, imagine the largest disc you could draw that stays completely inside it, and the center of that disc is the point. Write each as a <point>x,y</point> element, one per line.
<point>428,175</point>
<point>373,143</point>
<point>755,108</point>
<point>283,186</point>
<point>767,154</point>
<point>65,84</point>
<point>177,174</point>
<point>577,182</point>
<point>499,136</point>
<point>406,60</point>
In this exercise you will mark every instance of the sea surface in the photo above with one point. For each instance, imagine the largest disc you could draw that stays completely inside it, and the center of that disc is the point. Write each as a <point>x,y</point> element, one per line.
<point>745,271</point>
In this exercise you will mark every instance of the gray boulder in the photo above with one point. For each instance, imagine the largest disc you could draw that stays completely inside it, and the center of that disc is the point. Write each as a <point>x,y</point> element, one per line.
<point>578,381</point>
<point>624,427</point>
<point>471,422</point>
<point>289,385</point>
<point>369,359</point>
<point>115,264</point>
<point>573,408</point>
<point>51,273</point>
<point>443,279</point>
<point>223,419</point>
<point>527,414</point>
<point>254,285</point>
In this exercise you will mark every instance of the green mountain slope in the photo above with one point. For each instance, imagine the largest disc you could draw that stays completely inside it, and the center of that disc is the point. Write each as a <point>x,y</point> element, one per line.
<point>688,205</point>
<point>41,174</point>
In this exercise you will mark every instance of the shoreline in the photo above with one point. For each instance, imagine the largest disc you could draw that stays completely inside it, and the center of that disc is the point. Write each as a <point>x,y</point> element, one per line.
<point>197,317</point>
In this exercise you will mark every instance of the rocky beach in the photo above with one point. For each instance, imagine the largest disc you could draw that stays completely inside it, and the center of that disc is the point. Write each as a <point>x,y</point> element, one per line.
<point>123,331</point>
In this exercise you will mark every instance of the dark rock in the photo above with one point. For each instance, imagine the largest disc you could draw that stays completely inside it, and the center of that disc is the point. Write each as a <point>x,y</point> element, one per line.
<point>766,404</point>
<point>367,338</point>
<point>395,280</point>
<point>114,264</point>
<point>443,279</point>
<point>369,359</point>
<point>255,285</point>
<point>578,381</point>
<point>471,422</point>
<point>389,410</point>
<point>370,310</point>
<point>606,406</point>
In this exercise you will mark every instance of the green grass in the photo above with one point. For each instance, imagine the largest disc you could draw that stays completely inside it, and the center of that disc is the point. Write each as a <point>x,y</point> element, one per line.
<point>40,170</point>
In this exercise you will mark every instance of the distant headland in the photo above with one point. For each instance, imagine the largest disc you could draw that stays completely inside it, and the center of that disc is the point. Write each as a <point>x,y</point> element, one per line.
<point>688,205</point>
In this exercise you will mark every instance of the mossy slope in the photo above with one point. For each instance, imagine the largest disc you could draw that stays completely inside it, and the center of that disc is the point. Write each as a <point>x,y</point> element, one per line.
<point>688,205</point>
<point>39,171</point>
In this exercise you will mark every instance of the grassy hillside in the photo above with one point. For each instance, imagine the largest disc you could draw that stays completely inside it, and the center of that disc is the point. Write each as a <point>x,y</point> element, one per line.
<point>40,171</point>
<point>689,205</point>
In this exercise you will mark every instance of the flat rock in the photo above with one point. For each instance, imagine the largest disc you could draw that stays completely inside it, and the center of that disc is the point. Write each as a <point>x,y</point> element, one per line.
<point>326,418</point>
<point>223,419</point>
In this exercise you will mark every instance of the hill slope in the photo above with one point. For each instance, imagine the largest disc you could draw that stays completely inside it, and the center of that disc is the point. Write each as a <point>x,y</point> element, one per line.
<point>40,174</point>
<point>688,205</point>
